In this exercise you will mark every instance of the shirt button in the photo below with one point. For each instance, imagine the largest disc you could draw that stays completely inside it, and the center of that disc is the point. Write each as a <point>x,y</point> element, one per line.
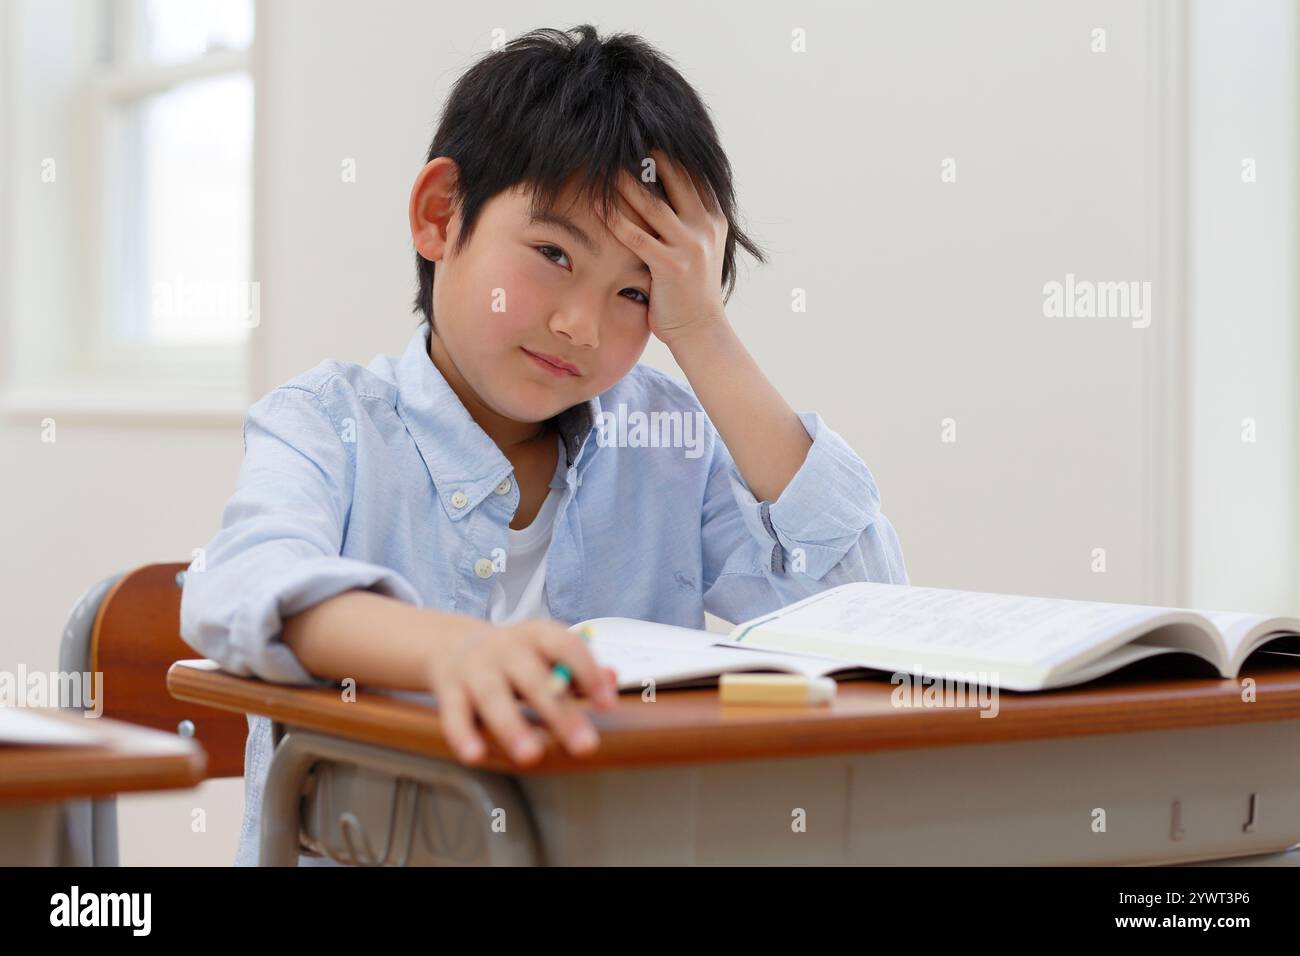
<point>483,567</point>
<point>503,488</point>
<point>459,499</point>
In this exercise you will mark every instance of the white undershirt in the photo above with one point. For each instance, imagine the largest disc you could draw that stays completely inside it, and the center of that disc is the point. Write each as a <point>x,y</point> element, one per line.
<point>519,591</point>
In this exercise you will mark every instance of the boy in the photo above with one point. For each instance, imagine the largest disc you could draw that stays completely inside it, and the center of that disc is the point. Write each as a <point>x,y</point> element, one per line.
<point>433,522</point>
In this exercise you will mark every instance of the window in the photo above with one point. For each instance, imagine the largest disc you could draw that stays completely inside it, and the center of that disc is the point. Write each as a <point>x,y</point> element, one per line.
<point>146,190</point>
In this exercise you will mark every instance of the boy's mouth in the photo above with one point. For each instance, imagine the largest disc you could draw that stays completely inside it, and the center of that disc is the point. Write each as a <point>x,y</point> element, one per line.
<point>552,363</point>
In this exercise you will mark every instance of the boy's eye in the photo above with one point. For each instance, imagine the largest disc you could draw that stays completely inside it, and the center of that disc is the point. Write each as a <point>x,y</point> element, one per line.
<point>546,250</point>
<point>543,251</point>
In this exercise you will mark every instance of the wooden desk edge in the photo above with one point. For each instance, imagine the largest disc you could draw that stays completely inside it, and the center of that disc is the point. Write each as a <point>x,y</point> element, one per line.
<point>103,770</point>
<point>410,727</point>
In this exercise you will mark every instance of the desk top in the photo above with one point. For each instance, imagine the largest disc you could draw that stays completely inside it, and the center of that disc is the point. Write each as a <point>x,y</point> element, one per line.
<point>123,758</point>
<point>691,726</point>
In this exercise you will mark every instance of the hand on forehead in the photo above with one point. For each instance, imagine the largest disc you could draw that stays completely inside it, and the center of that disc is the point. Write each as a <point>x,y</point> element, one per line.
<point>588,213</point>
<point>626,209</point>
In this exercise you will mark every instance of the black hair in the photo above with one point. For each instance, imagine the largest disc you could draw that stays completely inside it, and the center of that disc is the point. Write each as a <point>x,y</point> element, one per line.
<point>553,106</point>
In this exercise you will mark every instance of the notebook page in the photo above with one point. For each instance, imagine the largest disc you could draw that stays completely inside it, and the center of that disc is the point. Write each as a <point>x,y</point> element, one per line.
<point>968,624</point>
<point>638,650</point>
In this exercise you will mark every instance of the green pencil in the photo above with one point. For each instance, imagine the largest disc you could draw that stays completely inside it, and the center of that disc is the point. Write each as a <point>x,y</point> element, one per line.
<point>560,675</point>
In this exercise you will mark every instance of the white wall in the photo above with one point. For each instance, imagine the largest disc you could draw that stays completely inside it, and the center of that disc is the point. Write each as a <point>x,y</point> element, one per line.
<point>1242,521</point>
<point>925,298</point>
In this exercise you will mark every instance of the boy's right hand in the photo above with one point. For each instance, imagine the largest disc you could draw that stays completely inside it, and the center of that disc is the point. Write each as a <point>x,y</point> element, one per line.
<point>479,673</point>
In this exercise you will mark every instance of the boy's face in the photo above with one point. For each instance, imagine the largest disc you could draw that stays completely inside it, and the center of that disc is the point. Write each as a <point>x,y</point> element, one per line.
<point>522,291</point>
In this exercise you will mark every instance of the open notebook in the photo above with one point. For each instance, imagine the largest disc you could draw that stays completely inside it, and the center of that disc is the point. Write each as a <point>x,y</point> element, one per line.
<point>1016,642</point>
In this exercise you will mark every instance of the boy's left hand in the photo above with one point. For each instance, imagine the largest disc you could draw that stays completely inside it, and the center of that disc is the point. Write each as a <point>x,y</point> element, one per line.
<point>686,259</point>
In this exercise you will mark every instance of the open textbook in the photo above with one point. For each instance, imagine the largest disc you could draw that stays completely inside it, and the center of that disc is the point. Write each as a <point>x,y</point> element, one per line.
<point>1014,642</point>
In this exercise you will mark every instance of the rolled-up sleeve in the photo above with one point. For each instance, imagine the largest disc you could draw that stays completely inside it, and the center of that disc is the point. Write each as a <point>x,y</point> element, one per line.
<point>278,551</point>
<point>824,529</point>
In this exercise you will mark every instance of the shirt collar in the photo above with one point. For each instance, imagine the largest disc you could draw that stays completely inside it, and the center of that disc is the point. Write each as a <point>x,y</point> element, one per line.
<point>460,456</point>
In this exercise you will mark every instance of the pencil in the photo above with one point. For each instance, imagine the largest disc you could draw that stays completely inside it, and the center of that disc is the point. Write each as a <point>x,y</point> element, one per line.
<point>560,675</point>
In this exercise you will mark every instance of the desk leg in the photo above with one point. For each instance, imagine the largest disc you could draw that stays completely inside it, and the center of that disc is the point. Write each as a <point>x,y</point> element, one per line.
<point>281,800</point>
<point>491,797</point>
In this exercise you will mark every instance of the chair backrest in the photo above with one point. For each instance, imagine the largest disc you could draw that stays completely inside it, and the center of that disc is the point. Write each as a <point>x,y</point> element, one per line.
<point>134,639</point>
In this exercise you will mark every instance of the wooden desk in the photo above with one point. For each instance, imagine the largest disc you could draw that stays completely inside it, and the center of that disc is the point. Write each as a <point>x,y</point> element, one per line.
<point>34,780</point>
<point>1172,763</point>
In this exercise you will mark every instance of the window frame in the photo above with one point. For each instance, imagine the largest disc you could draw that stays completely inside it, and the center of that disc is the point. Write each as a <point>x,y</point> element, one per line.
<point>104,377</point>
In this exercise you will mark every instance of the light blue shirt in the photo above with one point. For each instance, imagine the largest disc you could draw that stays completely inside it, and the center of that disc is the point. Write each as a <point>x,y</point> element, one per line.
<point>377,477</point>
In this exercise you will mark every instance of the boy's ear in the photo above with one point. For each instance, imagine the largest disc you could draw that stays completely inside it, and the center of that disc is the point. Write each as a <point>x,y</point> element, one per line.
<point>432,205</point>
